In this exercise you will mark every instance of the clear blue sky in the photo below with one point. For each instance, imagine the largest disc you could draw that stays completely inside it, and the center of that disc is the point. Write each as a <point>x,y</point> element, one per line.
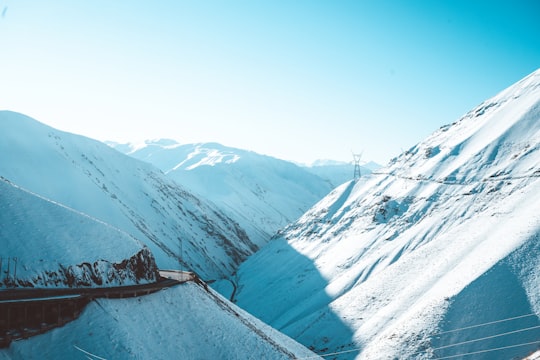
<point>296,79</point>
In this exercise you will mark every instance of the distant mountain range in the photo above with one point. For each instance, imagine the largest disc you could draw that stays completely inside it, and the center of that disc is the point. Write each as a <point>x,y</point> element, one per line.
<point>261,193</point>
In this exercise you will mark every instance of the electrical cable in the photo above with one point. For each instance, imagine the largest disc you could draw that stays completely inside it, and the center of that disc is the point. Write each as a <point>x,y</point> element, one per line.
<point>484,324</point>
<point>488,350</point>
<point>486,338</point>
<point>465,342</point>
<point>329,354</point>
<point>88,354</point>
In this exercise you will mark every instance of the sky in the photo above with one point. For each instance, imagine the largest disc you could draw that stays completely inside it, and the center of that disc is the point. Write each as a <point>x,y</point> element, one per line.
<point>299,79</point>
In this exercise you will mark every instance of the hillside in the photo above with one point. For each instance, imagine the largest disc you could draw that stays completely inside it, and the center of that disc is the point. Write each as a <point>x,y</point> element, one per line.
<point>123,192</point>
<point>49,245</point>
<point>444,238</point>
<point>183,322</point>
<point>261,193</point>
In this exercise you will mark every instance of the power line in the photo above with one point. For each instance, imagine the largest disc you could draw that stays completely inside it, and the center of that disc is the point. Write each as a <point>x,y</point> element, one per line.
<point>489,350</point>
<point>456,330</point>
<point>89,355</point>
<point>357,171</point>
<point>487,337</point>
<point>484,324</point>
<point>330,354</point>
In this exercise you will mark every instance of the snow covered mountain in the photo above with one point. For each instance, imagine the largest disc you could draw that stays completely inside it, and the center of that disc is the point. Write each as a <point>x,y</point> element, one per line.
<point>435,256</point>
<point>189,321</point>
<point>49,244</point>
<point>261,193</point>
<point>123,192</point>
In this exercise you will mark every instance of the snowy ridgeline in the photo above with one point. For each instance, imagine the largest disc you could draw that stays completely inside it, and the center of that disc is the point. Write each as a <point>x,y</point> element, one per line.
<point>435,256</point>
<point>446,237</point>
<point>261,193</point>
<point>45,244</point>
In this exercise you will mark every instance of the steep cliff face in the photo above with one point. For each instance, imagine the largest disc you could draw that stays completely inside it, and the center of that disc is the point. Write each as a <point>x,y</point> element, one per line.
<point>179,228</point>
<point>444,238</point>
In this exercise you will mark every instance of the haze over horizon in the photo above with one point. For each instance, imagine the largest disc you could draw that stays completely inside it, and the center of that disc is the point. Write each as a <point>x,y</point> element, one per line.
<point>299,80</point>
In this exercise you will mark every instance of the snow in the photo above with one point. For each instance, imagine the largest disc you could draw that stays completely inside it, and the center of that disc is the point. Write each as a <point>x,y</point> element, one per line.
<point>261,193</point>
<point>434,256</point>
<point>534,356</point>
<point>86,175</point>
<point>337,173</point>
<point>183,322</point>
<point>444,237</point>
<point>69,202</point>
<point>44,237</point>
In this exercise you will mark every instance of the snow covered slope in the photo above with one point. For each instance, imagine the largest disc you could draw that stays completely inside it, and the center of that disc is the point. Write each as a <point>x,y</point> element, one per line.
<point>49,245</point>
<point>407,263</point>
<point>183,322</point>
<point>261,193</point>
<point>128,194</point>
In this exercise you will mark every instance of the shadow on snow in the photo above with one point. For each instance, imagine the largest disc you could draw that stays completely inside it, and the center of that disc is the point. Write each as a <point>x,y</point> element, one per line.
<point>284,289</point>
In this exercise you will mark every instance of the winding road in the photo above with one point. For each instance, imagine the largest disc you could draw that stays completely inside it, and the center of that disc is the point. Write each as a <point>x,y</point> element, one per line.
<point>168,278</point>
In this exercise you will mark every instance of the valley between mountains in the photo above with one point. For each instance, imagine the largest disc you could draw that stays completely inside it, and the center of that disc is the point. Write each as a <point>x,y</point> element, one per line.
<point>434,256</point>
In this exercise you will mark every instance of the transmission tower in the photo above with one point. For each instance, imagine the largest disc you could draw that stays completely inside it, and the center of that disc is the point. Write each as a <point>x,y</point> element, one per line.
<point>357,172</point>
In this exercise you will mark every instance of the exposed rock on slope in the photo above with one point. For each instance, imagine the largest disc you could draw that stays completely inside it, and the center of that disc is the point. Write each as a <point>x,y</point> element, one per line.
<point>45,244</point>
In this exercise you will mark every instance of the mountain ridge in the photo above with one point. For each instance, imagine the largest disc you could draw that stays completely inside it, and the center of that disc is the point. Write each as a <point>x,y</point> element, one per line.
<point>131,195</point>
<point>261,193</point>
<point>465,195</point>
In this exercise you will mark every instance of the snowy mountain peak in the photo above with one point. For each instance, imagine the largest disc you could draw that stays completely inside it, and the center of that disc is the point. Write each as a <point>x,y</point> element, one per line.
<point>261,193</point>
<point>153,144</point>
<point>162,142</point>
<point>209,155</point>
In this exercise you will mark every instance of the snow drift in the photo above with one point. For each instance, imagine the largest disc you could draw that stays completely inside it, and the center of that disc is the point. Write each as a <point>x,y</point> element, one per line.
<point>434,256</point>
